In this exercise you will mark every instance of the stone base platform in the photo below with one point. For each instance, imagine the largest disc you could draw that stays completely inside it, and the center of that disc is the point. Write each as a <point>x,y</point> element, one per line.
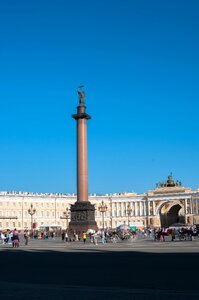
<point>82,217</point>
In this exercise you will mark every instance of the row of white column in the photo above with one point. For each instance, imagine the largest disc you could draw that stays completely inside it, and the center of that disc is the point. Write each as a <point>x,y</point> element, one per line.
<point>138,209</point>
<point>151,208</point>
<point>188,207</point>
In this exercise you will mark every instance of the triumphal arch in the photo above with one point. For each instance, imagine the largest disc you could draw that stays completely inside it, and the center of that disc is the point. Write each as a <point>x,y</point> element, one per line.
<point>170,204</point>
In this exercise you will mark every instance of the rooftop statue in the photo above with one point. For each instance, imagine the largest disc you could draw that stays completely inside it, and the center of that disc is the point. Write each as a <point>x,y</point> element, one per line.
<point>169,183</point>
<point>81,95</point>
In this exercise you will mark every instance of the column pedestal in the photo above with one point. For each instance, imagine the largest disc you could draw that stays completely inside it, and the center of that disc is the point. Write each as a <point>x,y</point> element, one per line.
<point>82,217</point>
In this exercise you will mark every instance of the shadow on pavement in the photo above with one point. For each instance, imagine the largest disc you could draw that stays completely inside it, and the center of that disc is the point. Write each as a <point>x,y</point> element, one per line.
<point>117,273</point>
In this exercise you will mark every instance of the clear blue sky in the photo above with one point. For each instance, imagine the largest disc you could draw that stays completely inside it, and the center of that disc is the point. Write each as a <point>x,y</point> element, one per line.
<point>139,63</point>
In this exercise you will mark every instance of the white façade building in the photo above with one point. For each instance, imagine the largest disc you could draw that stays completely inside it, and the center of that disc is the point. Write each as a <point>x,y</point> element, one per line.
<point>168,204</point>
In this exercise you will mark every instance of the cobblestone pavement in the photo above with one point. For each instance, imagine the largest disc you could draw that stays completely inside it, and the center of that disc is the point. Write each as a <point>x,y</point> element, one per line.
<point>136,270</point>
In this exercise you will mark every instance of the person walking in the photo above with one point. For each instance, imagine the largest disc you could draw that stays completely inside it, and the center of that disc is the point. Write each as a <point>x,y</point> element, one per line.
<point>10,235</point>
<point>3,238</point>
<point>172,235</point>
<point>84,237</point>
<point>103,238</point>
<point>26,235</point>
<point>66,236</point>
<point>94,237</point>
<point>15,239</point>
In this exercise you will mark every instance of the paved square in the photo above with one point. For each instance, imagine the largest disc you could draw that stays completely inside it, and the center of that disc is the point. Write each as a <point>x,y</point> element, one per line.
<point>142,269</point>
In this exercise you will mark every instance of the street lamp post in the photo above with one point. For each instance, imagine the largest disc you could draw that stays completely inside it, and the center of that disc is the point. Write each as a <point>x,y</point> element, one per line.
<point>111,212</point>
<point>31,212</point>
<point>128,211</point>
<point>103,208</point>
<point>66,216</point>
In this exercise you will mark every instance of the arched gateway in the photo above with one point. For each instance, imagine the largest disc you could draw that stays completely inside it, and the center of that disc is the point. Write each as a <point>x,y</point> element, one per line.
<point>170,203</point>
<point>171,214</point>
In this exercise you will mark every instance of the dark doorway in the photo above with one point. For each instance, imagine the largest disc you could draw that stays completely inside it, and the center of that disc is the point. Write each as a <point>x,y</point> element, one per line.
<point>171,216</point>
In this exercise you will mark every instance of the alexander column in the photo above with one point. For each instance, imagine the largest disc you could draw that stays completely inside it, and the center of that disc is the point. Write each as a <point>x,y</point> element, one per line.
<point>82,212</point>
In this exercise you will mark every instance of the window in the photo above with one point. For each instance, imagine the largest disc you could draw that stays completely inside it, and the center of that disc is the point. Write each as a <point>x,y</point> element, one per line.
<point>7,225</point>
<point>195,210</point>
<point>19,214</point>
<point>19,224</point>
<point>0,213</point>
<point>47,213</point>
<point>42,213</point>
<point>0,203</point>
<point>0,224</point>
<point>151,208</point>
<point>197,206</point>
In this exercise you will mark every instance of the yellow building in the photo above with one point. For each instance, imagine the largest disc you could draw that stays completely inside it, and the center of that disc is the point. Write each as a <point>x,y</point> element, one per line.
<point>168,204</point>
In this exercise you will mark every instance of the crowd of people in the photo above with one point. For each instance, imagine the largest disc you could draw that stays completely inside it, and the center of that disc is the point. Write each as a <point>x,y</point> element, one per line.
<point>91,236</point>
<point>12,237</point>
<point>182,233</point>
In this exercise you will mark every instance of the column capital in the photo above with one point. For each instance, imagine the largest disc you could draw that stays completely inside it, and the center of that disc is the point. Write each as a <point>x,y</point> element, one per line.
<point>81,113</point>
